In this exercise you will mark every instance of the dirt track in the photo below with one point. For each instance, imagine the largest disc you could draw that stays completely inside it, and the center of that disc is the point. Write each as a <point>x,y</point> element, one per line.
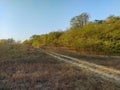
<point>104,72</point>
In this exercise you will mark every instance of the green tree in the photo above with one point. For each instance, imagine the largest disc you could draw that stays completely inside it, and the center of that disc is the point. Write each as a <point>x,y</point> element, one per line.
<point>35,39</point>
<point>53,37</point>
<point>27,42</point>
<point>80,20</point>
<point>7,41</point>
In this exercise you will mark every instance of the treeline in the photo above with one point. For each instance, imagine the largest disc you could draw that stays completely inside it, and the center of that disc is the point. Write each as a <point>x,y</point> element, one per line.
<point>96,37</point>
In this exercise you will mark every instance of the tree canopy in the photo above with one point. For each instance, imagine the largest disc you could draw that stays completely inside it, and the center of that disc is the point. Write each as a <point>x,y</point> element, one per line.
<point>80,20</point>
<point>96,37</point>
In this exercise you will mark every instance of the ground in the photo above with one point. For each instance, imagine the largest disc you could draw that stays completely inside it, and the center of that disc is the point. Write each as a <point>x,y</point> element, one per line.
<point>35,70</point>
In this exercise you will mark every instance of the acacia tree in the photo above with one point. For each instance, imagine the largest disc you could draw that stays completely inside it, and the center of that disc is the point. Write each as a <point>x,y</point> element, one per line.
<point>80,20</point>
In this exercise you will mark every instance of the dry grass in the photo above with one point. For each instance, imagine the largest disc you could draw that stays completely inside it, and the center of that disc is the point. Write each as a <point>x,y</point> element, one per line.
<point>112,62</point>
<point>42,72</point>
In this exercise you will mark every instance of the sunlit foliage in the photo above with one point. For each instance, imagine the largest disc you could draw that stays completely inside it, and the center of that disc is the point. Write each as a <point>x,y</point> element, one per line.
<point>96,37</point>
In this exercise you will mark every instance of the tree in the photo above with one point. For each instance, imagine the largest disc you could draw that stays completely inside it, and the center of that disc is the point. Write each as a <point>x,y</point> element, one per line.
<point>35,39</point>
<point>53,37</point>
<point>79,21</point>
<point>99,21</point>
<point>7,41</point>
<point>27,42</point>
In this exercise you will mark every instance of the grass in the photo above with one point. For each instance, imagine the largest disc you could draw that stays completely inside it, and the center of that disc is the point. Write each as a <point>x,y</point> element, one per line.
<point>112,62</point>
<point>32,69</point>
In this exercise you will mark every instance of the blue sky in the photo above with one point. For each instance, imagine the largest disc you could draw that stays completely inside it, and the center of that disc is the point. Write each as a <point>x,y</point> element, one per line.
<point>20,19</point>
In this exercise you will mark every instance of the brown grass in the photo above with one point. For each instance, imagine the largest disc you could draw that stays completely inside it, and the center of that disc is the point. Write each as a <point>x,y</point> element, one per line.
<point>109,61</point>
<point>46,73</point>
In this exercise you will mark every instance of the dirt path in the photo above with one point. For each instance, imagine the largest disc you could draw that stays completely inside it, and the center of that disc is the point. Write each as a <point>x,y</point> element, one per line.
<point>102,71</point>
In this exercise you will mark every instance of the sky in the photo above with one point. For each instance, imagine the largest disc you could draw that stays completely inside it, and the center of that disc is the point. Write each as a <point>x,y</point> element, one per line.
<point>20,19</point>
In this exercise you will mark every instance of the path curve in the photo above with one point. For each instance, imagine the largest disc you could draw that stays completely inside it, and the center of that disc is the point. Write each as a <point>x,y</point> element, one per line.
<point>102,71</point>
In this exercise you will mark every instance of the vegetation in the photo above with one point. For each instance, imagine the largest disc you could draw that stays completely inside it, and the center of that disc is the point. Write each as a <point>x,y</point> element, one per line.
<point>27,68</point>
<point>79,21</point>
<point>107,61</point>
<point>24,67</point>
<point>96,37</point>
<point>10,50</point>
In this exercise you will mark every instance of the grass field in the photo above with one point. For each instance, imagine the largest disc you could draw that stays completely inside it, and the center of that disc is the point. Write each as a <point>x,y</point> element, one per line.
<point>109,61</point>
<point>28,68</point>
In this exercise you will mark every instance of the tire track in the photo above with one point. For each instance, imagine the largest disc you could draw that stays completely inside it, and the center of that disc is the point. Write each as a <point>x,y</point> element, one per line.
<point>104,72</point>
